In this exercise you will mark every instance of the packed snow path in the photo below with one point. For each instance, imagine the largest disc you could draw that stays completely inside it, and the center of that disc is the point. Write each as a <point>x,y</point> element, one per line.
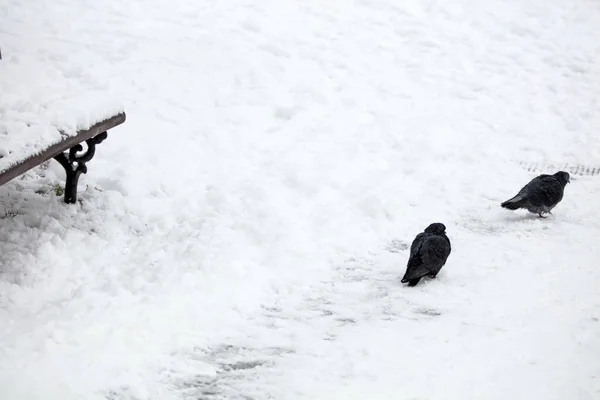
<point>243,234</point>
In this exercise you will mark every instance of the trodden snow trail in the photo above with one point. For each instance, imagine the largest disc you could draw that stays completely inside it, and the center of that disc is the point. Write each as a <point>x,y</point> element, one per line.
<point>492,325</point>
<point>243,234</point>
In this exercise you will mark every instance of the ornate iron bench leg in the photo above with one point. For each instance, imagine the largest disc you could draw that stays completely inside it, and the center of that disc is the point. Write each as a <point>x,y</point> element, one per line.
<point>74,164</point>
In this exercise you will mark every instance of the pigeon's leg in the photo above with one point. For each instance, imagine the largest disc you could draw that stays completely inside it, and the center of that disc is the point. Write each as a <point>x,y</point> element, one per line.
<point>541,216</point>
<point>432,275</point>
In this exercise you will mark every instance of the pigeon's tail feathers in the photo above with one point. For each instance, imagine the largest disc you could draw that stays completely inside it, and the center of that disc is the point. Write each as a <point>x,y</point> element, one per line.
<point>515,203</point>
<point>413,282</point>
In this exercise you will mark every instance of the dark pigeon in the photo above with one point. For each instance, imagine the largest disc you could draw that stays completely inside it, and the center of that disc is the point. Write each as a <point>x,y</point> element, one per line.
<point>540,195</point>
<point>428,254</point>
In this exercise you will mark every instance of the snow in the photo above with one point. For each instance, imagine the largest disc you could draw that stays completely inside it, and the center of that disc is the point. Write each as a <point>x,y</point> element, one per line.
<point>243,234</point>
<point>40,106</point>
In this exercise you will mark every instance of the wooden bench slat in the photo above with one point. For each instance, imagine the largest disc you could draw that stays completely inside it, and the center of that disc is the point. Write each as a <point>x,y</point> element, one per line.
<point>60,147</point>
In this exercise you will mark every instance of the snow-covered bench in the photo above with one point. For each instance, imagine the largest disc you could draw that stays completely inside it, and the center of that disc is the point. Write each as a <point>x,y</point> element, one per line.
<point>44,115</point>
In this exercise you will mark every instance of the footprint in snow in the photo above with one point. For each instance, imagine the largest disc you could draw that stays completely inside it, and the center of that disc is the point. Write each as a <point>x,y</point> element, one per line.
<point>396,246</point>
<point>432,312</point>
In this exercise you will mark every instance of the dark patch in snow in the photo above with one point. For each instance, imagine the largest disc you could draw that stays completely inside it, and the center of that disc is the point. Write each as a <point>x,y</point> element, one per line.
<point>355,263</point>
<point>357,278</point>
<point>396,246</point>
<point>427,311</point>
<point>237,368</point>
<point>122,394</point>
<point>484,227</point>
<point>582,170</point>
<point>243,365</point>
<point>272,309</point>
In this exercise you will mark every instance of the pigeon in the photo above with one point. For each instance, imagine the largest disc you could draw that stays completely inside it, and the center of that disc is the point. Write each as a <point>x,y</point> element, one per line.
<point>540,195</point>
<point>428,254</point>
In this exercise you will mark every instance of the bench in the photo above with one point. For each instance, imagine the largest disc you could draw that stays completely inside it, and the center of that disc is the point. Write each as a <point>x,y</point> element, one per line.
<point>69,153</point>
<point>39,124</point>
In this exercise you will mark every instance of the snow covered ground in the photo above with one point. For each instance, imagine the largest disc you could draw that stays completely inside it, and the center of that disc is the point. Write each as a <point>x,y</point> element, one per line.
<point>243,234</point>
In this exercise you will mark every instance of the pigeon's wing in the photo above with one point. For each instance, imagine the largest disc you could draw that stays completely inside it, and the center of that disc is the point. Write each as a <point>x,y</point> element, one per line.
<point>429,258</point>
<point>449,245</point>
<point>554,194</point>
<point>533,184</point>
<point>416,243</point>
<point>524,190</point>
<point>414,260</point>
<point>437,249</point>
<point>521,199</point>
<point>547,193</point>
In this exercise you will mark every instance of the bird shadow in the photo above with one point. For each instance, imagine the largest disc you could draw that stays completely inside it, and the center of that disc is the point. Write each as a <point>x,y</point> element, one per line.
<point>526,217</point>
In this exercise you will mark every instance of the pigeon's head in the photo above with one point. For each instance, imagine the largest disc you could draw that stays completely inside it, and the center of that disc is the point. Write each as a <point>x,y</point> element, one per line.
<point>437,228</point>
<point>563,177</point>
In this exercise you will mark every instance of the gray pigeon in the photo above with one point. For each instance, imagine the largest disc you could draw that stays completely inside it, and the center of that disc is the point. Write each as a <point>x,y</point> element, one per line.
<point>428,254</point>
<point>540,195</point>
